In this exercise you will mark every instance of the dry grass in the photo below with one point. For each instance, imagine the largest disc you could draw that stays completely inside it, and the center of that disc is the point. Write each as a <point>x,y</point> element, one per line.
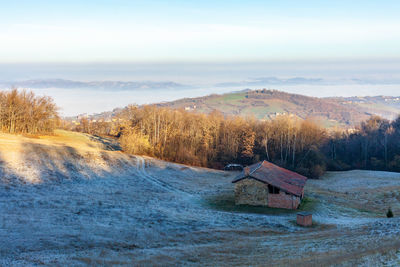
<point>62,155</point>
<point>61,138</point>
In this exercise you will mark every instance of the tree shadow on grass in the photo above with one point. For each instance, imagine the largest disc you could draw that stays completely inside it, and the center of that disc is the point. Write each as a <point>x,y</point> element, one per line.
<point>39,163</point>
<point>108,143</point>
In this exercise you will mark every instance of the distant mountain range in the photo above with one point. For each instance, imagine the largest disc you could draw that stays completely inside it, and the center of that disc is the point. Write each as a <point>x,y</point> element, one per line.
<point>132,85</point>
<point>265,81</point>
<point>103,85</point>
<point>272,81</point>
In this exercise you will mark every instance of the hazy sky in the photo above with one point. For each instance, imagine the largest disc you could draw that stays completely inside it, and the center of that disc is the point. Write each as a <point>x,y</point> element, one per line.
<point>200,44</point>
<point>174,31</point>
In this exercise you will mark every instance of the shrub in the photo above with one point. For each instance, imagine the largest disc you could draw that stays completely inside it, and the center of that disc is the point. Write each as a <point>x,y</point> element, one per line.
<point>377,164</point>
<point>134,142</point>
<point>389,213</point>
<point>394,165</point>
<point>337,165</point>
<point>317,171</point>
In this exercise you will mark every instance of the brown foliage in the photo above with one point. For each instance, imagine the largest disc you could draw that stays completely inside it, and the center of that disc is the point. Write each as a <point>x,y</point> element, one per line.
<point>23,112</point>
<point>214,140</point>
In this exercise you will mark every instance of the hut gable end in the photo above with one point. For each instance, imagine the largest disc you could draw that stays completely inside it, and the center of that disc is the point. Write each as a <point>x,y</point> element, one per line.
<point>251,192</point>
<point>271,174</point>
<point>269,185</point>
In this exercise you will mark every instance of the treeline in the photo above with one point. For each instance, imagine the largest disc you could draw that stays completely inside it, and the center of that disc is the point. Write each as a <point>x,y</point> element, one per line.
<point>374,145</point>
<point>101,127</point>
<point>213,140</point>
<point>23,112</point>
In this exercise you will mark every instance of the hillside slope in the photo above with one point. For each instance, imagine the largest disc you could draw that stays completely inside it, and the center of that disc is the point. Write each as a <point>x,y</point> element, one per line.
<point>264,104</point>
<point>74,199</point>
<point>66,155</point>
<point>385,106</point>
<point>344,112</point>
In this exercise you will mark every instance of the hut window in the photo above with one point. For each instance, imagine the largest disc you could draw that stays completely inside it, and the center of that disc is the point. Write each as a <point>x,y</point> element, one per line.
<point>273,189</point>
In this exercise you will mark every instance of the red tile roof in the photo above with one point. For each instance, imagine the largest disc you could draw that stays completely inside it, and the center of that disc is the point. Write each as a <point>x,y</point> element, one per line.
<point>274,175</point>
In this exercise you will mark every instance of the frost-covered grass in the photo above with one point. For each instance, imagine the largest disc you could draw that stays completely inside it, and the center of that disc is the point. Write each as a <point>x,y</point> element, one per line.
<point>367,192</point>
<point>72,200</point>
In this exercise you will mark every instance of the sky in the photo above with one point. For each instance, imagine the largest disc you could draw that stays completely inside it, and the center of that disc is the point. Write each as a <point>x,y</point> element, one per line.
<point>197,31</point>
<point>199,44</point>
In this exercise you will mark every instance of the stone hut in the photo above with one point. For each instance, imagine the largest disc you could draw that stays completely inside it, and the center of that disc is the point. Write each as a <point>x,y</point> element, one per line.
<point>266,184</point>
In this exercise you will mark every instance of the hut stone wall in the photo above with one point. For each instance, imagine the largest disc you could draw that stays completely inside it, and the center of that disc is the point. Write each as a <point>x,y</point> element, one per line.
<point>252,192</point>
<point>283,200</point>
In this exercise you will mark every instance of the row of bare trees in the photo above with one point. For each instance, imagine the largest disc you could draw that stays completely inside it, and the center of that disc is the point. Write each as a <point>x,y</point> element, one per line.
<point>23,112</point>
<point>213,140</point>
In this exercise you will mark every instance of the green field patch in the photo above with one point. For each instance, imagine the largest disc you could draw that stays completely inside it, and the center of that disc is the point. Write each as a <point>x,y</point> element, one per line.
<point>226,202</point>
<point>228,98</point>
<point>261,112</point>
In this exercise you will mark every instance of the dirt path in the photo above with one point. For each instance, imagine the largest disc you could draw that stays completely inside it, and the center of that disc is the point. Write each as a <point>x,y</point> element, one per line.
<point>141,169</point>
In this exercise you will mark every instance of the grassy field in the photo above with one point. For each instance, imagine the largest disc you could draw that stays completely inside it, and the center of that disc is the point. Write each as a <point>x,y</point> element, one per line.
<point>74,199</point>
<point>233,98</point>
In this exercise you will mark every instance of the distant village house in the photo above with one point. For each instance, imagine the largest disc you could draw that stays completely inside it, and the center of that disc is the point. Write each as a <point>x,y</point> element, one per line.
<point>265,184</point>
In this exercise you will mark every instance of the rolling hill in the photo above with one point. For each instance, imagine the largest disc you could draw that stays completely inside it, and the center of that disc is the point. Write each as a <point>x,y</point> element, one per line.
<point>266,104</point>
<point>346,112</point>
<point>385,106</point>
